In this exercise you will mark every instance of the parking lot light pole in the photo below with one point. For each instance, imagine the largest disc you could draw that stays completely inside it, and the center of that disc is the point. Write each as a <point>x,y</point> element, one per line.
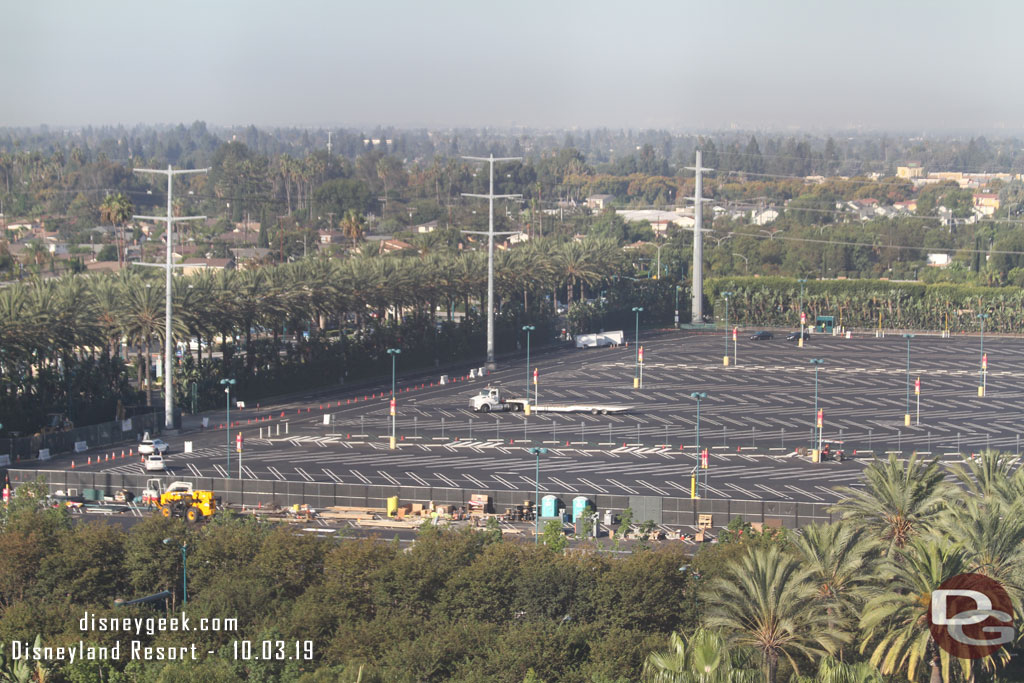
<point>678,287</point>
<point>725,358</point>
<point>393,353</point>
<point>636,340</point>
<point>537,452</point>
<point>184,571</point>
<point>984,361</point>
<point>528,329</point>
<point>906,416</point>
<point>699,396</point>
<point>817,362</point>
<point>802,281</point>
<point>227,426</point>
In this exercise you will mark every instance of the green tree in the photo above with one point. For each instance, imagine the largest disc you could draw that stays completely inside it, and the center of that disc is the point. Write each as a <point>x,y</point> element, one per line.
<point>895,624</point>
<point>767,602</point>
<point>703,657</point>
<point>554,536</point>
<point>899,502</point>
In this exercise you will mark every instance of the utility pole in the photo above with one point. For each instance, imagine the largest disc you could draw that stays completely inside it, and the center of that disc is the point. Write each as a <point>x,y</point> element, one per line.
<point>169,235</point>
<point>697,308</point>
<point>490,196</point>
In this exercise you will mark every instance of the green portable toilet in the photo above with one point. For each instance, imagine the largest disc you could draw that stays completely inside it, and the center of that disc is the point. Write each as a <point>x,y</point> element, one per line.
<point>579,507</point>
<point>549,506</point>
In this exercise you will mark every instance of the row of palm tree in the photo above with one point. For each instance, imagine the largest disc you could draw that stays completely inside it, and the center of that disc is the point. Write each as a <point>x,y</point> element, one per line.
<point>855,595</point>
<point>868,303</point>
<point>48,322</point>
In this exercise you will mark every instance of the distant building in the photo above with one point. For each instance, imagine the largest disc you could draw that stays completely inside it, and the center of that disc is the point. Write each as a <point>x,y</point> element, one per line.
<point>910,171</point>
<point>939,260</point>
<point>599,202</point>
<point>392,245</point>
<point>763,217</point>
<point>986,204</point>
<point>909,206</point>
<point>194,265</point>
<point>426,227</point>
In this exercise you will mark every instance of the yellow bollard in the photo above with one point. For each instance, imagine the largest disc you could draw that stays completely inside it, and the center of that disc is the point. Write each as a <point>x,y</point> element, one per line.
<point>526,408</point>
<point>693,486</point>
<point>981,391</point>
<point>906,420</point>
<point>800,342</point>
<point>636,382</point>
<point>725,361</point>
<point>815,455</point>
<point>392,439</point>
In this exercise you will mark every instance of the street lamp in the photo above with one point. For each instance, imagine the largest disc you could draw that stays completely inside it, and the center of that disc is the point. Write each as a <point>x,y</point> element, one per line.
<point>636,340</point>
<point>725,358</point>
<point>393,353</point>
<point>184,570</point>
<point>227,426</point>
<point>817,362</point>
<point>746,263</point>
<point>906,416</point>
<point>528,329</point>
<point>699,396</point>
<point>984,360</point>
<point>537,452</point>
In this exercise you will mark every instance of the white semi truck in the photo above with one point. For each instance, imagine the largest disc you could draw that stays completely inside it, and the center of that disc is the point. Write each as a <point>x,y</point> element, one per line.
<point>590,341</point>
<point>497,399</point>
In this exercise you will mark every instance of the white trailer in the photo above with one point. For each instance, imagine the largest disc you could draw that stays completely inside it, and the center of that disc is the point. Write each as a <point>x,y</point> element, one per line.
<point>495,399</point>
<point>590,341</point>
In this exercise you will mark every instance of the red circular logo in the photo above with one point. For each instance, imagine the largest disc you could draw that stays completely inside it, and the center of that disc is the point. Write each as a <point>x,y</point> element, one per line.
<point>971,616</point>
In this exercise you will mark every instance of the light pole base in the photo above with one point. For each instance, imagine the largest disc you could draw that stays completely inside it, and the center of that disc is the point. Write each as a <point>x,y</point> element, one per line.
<point>800,342</point>
<point>981,391</point>
<point>392,443</point>
<point>906,420</point>
<point>636,384</point>
<point>725,361</point>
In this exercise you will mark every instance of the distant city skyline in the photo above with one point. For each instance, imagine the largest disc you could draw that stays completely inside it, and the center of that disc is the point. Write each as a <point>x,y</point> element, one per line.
<point>772,66</point>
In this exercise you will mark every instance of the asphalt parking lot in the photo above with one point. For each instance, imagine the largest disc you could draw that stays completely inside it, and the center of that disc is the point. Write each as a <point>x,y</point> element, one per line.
<point>757,414</point>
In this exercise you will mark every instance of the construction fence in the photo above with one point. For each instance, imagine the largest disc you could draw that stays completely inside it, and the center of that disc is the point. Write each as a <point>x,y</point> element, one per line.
<point>267,492</point>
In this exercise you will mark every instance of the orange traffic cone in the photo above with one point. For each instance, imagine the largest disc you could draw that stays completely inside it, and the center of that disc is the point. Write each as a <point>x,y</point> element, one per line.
<point>89,460</point>
<point>72,464</point>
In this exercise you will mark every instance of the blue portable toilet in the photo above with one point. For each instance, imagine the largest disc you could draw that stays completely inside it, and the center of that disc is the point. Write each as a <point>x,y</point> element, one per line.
<point>579,507</point>
<point>549,506</point>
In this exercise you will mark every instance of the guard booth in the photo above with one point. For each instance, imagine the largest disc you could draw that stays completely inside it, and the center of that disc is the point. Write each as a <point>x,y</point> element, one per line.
<point>824,324</point>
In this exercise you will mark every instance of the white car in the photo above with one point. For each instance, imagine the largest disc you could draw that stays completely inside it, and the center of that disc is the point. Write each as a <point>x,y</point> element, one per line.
<point>155,463</point>
<point>151,446</point>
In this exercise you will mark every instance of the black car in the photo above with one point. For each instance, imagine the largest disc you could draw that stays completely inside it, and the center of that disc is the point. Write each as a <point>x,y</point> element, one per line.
<point>758,336</point>
<point>795,336</point>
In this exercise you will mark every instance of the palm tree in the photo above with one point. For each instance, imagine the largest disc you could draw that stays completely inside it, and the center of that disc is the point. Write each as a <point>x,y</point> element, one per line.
<point>117,210</point>
<point>574,262</point>
<point>831,670</point>
<point>352,225</point>
<point>841,559</point>
<point>766,601</point>
<point>896,620</point>
<point>143,318</point>
<point>703,657</point>
<point>899,502</point>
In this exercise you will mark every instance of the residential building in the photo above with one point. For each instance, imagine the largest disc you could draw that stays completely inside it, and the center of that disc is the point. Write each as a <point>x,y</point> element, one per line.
<point>599,202</point>
<point>986,204</point>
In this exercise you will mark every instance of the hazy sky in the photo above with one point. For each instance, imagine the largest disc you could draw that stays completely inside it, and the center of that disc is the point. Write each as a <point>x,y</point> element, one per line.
<point>880,64</point>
